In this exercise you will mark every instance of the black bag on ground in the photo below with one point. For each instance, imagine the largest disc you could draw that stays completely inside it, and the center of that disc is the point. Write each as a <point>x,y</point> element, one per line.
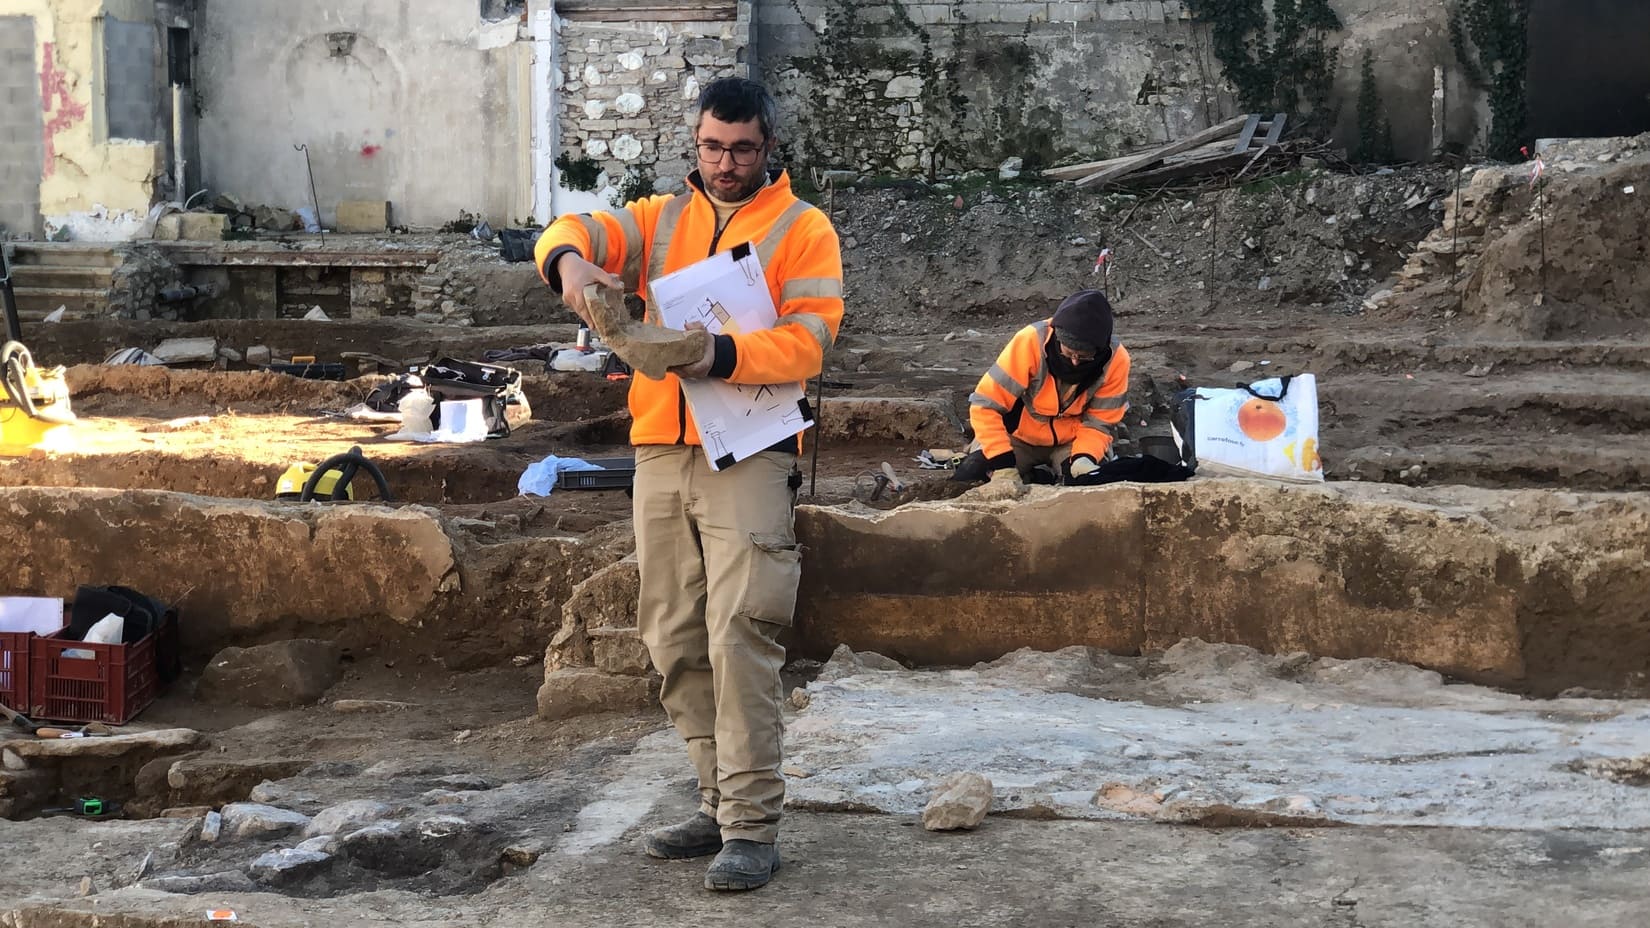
<point>498,388</point>
<point>517,244</point>
<point>387,396</point>
<point>143,615</point>
<point>1141,468</point>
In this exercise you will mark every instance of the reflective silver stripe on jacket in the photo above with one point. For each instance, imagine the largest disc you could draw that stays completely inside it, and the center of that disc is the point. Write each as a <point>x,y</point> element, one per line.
<point>669,216</point>
<point>598,238</point>
<point>633,249</point>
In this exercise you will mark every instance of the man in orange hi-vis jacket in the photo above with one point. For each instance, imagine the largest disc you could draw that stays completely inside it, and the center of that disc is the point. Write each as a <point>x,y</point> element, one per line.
<point>1055,396</point>
<point>717,549</point>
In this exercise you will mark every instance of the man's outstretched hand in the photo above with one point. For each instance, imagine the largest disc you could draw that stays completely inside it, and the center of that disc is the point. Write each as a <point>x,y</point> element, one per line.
<point>576,274</point>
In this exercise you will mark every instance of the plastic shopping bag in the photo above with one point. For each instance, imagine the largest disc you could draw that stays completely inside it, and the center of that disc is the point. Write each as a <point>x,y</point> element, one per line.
<point>1266,429</point>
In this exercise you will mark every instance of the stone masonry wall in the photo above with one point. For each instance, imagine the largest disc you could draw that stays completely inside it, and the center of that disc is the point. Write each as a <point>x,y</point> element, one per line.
<point>628,91</point>
<point>913,87</point>
<point>919,86</point>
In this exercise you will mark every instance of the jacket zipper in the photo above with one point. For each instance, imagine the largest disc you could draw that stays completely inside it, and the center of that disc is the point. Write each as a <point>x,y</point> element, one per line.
<point>681,396</point>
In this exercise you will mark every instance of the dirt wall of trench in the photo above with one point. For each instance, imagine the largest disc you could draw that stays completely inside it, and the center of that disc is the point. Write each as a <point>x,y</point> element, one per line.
<point>1507,589</point>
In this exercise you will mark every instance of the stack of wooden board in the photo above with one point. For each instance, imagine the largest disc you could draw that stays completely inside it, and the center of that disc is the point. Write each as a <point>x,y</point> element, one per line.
<point>1207,152</point>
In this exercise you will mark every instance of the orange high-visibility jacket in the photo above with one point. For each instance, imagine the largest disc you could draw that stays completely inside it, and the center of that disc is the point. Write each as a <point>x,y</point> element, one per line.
<point>652,237</point>
<point>1018,397</point>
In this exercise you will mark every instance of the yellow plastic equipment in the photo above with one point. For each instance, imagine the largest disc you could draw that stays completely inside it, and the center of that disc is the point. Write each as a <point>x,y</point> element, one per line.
<point>33,402</point>
<point>291,485</point>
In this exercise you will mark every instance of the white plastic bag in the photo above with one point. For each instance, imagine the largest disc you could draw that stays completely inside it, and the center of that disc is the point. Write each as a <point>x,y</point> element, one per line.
<point>1268,429</point>
<point>108,630</point>
<point>417,410</point>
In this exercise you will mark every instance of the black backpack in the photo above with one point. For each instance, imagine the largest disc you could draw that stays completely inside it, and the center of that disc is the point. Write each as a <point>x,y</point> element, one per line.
<point>144,615</point>
<point>497,387</point>
<point>387,396</point>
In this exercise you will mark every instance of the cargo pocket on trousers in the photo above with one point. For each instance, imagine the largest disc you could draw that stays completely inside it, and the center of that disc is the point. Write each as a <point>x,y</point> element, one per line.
<point>773,570</point>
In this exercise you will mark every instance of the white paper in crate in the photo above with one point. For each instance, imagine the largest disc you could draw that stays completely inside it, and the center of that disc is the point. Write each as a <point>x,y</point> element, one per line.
<point>1268,430</point>
<point>729,294</point>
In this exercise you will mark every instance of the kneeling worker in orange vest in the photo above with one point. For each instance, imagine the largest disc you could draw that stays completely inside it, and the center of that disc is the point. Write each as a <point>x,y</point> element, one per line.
<point>1055,396</point>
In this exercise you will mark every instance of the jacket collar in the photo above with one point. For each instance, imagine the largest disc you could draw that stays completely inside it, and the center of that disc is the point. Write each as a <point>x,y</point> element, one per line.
<point>779,185</point>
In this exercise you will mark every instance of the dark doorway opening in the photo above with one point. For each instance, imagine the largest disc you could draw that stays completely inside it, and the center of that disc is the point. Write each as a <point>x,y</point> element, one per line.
<point>178,55</point>
<point>1589,68</point>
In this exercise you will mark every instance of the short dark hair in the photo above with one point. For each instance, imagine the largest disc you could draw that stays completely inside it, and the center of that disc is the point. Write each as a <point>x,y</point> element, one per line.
<point>735,99</point>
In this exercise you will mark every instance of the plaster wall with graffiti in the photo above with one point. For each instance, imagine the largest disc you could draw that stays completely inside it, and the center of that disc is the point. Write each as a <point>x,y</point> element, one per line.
<point>85,153</point>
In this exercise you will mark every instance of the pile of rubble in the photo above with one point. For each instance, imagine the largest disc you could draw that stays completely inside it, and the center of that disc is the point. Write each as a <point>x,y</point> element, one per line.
<point>975,253</point>
<point>472,285</point>
<point>1530,251</point>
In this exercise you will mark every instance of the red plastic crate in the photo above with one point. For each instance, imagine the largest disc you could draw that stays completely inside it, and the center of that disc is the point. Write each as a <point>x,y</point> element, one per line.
<point>116,683</point>
<point>14,670</point>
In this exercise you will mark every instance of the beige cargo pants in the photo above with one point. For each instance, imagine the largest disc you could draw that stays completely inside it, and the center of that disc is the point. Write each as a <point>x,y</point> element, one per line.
<point>1027,457</point>
<point>719,570</point>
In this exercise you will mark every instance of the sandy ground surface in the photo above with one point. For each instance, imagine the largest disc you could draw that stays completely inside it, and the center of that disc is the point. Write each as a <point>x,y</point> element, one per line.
<point>1459,373</point>
<point>579,795</point>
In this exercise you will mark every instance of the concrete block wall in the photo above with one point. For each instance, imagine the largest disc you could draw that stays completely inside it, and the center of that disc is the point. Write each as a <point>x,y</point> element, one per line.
<point>628,91</point>
<point>91,187</point>
<point>20,128</point>
<point>131,90</point>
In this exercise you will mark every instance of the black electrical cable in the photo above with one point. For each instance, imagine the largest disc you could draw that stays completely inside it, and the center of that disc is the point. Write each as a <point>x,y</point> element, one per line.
<point>16,361</point>
<point>347,464</point>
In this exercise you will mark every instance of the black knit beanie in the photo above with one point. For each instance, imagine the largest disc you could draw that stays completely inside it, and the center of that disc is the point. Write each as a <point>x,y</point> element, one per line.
<point>1083,322</point>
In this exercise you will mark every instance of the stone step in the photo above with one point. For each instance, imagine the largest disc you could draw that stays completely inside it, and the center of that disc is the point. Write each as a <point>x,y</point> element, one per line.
<point>62,254</point>
<point>92,277</point>
<point>35,303</point>
<point>1610,463</point>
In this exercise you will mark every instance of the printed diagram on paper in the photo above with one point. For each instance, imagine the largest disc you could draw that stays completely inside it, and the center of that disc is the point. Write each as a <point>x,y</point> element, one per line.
<point>727,294</point>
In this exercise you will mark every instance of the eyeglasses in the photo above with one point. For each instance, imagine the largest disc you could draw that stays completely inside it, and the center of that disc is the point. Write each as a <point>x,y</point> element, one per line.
<point>743,155</point>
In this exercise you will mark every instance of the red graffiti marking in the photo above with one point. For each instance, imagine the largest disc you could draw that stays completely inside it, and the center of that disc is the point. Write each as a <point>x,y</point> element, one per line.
<point>367,151</point>
<point>54,86</point>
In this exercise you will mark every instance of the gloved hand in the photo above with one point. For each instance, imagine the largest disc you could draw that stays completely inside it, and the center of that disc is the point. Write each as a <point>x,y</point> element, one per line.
<point>1005,483</point>
<point>977,467</point>
<point>1080,466</point>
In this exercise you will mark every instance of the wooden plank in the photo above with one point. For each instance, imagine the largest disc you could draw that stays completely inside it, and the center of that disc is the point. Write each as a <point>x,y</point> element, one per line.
<point>1211,134</point>
<point>1225,160</point>
<point>1248,134</point>
<point>646,10</point>
<point>1204,151</point>
<point>1080,171</point>
<point>1275,135</point>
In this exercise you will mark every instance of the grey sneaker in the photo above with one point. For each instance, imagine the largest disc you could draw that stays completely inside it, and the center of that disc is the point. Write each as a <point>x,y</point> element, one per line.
<point>699,836</point>
<point>742,865</point>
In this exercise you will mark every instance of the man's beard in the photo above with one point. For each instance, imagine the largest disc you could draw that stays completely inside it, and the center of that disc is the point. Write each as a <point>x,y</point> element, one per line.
<point>743,191</point>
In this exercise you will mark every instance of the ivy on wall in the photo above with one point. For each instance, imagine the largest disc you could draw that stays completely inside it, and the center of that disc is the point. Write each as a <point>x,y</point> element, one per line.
<point>1374,131</point>
<point>847,51</point>
<point>1284,62</point>
<point>855,129</point>
<point>1491,40</point>
<point>578,173</point>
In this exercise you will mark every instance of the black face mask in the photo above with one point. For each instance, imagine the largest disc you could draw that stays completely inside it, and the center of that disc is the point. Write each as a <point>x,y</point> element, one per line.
<point>1067,372</point>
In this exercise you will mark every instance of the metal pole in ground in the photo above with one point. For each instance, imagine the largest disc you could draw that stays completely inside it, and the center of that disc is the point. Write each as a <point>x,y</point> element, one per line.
<point>1541,219</point>
<point>1214,233</point>
<point>314,200</point>
<point>1455,245</point>
<point>819,389</point>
